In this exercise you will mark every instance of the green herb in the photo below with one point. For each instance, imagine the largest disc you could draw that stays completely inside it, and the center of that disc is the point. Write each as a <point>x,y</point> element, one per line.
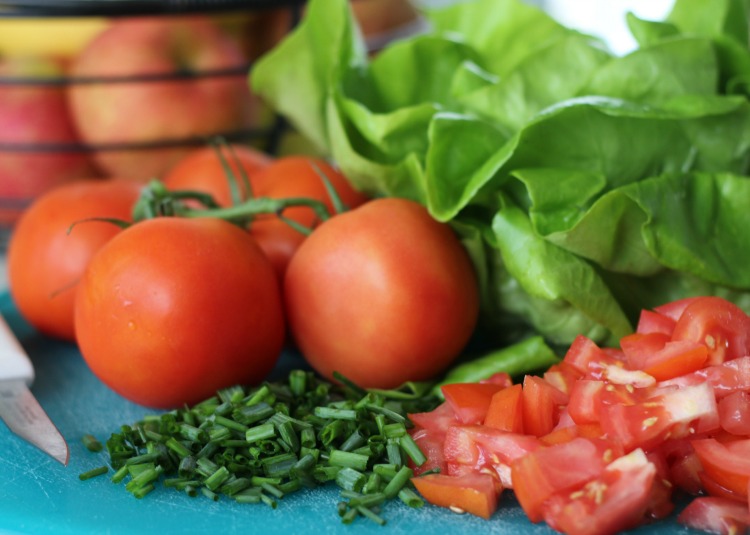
<point>91,443</point>
<point>257,445</point>
<point>93,473</point>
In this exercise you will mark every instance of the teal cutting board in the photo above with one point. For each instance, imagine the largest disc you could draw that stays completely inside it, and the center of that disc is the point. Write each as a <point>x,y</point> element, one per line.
<point>39,496</point>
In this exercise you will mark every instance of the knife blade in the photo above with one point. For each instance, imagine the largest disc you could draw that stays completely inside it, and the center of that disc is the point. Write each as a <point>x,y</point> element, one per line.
<point>19,409</point>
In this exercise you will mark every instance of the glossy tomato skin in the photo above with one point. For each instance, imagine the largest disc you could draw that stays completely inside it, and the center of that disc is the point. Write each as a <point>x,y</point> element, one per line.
<point>46,258</point>
<point>296,176</point>
<point>174,309</point>
<point>203,170</point>
<point>382,294</point>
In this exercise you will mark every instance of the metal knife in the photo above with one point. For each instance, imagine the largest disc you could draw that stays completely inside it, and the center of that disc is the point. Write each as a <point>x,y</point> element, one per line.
<point>18,407</point>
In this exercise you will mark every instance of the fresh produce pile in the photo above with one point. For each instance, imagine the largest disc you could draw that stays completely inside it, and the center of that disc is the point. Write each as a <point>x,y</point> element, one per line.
<point>504,190</point>
<point>587,186</point>
<point>609,438</point>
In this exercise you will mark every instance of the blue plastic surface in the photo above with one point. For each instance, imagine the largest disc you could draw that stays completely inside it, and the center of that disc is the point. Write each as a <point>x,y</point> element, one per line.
<point>39,496</point>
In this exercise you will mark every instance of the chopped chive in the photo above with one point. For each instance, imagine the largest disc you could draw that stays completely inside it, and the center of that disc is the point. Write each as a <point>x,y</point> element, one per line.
<point>298,382</point>
<point>268,501</point>
<point>233,487</point>
<point>260,432</point>
<point>289,435</point>
<point>410,498</point>
<point>369,513</point>
<point>350,479</point>
<point>412,450</point>
<point>247,498</point>
<point>349,516</point>
<point>307,438</point>
<point>91,443</point>
<point>120,474</point>
<point>215,480</point>
<point>336,414</point>
<point>230,424</point>
<point>354,441</point>
<point>250,414</point>
<point>260,444</point>
<point>208,493</point>
<point>140,492</point>
<point>258,396</point>
<point>93,473</point>
<point>393,452</point>
<point>395,485</point>
<point>348,459</point>
<point>178,447</point>
<point>273,490</point>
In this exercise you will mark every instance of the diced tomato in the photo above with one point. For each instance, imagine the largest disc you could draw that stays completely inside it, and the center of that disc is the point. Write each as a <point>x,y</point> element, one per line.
<point>684,473</point>
<point>480,448</point>
<point>721,326</point>
<point>616,500</point>
<point>470,401</point>
<point>660,357</point>
<point>639,346</point>
<point>562,376</point>
<point>568,433</point>
<point>674,309</point>
<point>472,493</point>
<point>712,488</point>
<point>670,414</point>
<point>559,468</point>
<point>651,321</point>
<point>541,405</point>
<point>500,378</point>
<point>437,420</point>
<point>715,515</point>
<point>598,444</point>
<point>734,413</point>
<point>675,359</point>
<point>431,444</point>
<point>585,355</point>
<point>506,410</point>
<point>585,400</point>
<point>728,464</point>
<point>660,503</point>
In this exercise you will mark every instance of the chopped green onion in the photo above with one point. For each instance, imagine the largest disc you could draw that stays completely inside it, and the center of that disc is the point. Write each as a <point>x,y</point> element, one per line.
<point>350,479</point>
<point>93,473</point>
<point>91,443</point>
<point>260,432</point>
<point>258,445</point>
<point>398,482</point>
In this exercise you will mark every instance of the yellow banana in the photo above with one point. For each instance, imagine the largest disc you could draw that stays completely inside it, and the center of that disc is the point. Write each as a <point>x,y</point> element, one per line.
<point>44,36</point>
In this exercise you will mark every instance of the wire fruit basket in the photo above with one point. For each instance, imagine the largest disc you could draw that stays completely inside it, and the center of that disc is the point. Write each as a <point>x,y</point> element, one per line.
<point>51,129</point>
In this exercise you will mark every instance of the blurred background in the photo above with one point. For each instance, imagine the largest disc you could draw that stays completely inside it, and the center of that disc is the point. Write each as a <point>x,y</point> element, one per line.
<point>67,78</point>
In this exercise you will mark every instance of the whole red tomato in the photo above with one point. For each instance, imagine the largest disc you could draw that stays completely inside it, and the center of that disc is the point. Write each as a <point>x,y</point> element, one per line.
<point>173,309</point>
<point>295,176</point>
<point>203,170</point>
<point>46,258</point>
<point>382,294</point>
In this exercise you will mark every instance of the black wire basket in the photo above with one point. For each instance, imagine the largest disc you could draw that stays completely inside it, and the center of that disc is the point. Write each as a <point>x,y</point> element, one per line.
<point>264,134</point>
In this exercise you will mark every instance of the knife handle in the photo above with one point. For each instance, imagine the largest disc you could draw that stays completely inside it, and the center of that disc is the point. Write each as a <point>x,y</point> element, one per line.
<point>14,362</point>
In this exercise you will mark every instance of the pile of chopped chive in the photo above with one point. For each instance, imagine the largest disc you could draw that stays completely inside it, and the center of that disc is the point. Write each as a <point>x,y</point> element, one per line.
<point>255,445</point>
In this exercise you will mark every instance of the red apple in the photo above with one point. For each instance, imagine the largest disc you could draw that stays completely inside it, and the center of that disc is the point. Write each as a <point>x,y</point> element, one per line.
<point>147,111</point>
<point>34,114</point>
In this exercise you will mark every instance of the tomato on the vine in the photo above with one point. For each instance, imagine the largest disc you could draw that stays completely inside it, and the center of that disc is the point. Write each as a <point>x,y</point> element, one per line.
<point>382,294</point>
<point>173,309</point>
<point>296,176</point>
<point>204,170</point>
<point>285,177</point>
<point>46,257</point>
